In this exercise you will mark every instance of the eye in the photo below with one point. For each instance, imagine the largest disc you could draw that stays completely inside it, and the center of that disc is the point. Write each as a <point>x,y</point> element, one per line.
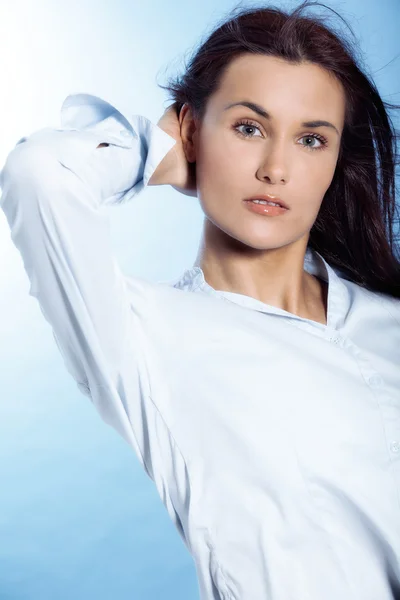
<point>315,136</point>
<point>247,125</point>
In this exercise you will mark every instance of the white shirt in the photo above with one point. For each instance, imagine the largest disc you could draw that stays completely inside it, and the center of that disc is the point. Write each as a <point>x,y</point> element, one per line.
<point>273,440</point>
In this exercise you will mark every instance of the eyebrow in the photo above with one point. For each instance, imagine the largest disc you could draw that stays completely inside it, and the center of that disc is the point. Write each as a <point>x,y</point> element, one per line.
<point>263,113</point>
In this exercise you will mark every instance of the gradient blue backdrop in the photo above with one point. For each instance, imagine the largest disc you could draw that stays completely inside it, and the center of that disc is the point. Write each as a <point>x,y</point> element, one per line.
<point>79,519</point>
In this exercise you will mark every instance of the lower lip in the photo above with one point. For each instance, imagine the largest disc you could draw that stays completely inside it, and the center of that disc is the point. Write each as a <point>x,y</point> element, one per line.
<point>265,209</point>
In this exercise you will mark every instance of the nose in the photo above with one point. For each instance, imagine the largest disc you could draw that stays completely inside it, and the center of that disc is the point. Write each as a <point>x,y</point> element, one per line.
<point>274,168</point>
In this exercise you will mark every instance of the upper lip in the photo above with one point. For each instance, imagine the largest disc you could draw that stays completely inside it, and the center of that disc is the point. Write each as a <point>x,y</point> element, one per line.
<point>270,199</point>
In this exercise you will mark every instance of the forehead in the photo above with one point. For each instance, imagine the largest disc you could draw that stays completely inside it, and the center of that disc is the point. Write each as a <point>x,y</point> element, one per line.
<point>282,88</point>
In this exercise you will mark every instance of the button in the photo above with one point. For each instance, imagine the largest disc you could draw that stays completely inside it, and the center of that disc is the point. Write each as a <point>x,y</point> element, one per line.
<point>395,447</point>
<point>125,133</point>
<point>375,380</point>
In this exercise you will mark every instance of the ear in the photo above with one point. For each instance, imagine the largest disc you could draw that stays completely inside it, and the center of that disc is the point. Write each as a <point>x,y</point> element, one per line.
<point>189,132</point>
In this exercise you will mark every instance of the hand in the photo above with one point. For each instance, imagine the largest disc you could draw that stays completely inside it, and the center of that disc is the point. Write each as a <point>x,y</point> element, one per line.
<point>174,169</point>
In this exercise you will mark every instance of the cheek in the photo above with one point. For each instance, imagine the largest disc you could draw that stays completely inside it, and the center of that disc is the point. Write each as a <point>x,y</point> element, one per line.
<point>219,162</point>
<point>310,177</point>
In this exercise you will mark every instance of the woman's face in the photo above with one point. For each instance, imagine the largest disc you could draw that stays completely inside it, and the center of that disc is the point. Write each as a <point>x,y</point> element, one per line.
<point>240,153</point>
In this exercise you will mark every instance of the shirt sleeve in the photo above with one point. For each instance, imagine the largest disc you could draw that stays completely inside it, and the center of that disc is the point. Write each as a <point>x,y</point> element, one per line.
<point>55,183</point>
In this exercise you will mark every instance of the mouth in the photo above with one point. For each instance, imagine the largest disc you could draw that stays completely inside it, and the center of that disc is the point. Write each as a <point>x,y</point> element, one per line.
<point>268,200</point>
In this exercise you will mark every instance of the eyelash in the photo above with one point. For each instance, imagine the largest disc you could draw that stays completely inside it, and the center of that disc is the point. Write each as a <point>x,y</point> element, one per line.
<point>249,123</point>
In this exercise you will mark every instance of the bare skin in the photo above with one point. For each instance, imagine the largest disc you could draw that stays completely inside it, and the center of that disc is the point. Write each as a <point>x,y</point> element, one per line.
<point>240,251</point>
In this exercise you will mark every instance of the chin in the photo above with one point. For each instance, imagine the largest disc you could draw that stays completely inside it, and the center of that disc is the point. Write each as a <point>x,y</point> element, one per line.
<point>260,240</point>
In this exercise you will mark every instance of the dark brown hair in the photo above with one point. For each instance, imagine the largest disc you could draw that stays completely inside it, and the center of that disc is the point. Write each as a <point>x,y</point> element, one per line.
<point>354,229</point>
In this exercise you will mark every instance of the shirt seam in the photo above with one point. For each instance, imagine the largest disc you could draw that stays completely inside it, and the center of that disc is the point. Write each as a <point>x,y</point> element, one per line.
<point>182,456</point>
<point>228,593</point>
<point>377,298</point>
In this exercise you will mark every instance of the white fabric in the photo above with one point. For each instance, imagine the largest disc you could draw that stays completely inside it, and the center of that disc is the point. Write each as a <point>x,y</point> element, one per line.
<point>273,440</point>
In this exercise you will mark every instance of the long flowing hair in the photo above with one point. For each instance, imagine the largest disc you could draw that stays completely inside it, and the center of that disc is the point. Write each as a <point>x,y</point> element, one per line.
<point>355,227</point>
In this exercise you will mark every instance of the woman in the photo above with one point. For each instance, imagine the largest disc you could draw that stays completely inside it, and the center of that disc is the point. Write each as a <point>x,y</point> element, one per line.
<point>260,391</point>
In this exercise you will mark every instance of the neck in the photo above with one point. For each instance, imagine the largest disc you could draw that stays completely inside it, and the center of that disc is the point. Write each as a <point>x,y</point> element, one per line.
<point>274,276</point>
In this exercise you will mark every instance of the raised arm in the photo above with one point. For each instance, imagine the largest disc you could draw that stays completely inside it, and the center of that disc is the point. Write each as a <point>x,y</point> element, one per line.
<point>54,184</point>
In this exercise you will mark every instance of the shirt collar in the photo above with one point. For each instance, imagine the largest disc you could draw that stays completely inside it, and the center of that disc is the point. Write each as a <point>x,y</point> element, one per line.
<point>314,263</point>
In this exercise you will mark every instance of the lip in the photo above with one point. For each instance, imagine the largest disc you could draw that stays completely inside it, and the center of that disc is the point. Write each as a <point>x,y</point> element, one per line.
<point>269,199</point>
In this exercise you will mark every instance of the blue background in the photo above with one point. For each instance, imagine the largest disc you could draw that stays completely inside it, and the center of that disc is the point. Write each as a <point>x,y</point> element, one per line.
<point>79,519</point>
